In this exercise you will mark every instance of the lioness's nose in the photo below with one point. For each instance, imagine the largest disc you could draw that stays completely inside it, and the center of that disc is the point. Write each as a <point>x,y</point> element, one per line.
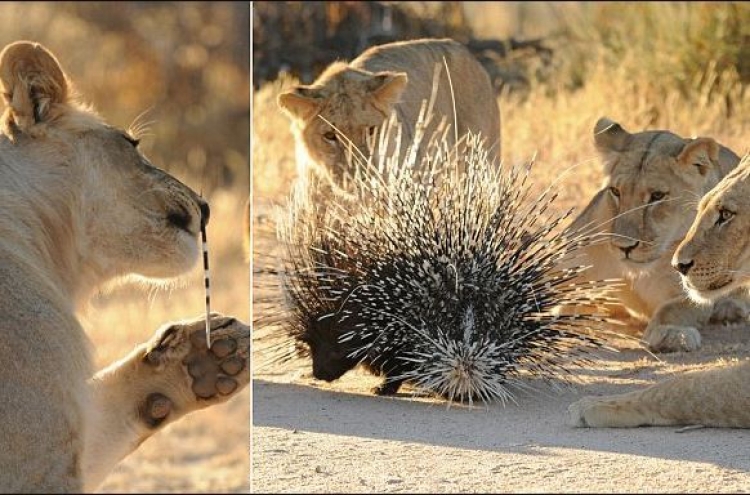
<point>205,211</point>
<point>628,249</point>
<point>683,267</point>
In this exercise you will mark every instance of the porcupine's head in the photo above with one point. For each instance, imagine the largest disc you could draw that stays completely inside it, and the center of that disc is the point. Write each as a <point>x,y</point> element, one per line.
<point>323,283</point>
<point>443,279</point>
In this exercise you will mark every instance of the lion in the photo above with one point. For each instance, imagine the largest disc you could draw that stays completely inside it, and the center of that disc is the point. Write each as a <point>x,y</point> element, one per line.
<point>344,109</point>
<point>81,206</point>
<point>644,208</point>
<point>713,260</point>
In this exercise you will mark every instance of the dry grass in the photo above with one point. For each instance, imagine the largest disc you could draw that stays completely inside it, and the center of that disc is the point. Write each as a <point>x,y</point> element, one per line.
<point>594,76</point>
<point>187,65</point>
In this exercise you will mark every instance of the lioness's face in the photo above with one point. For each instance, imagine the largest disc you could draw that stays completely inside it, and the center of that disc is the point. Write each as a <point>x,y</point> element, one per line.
<point>653,180</point>
<point>714,257</point>
<point>108,209</point>
<point>135,214</point>
<point>337,119</point>
<point>348,137</point>
<point>648,207</point>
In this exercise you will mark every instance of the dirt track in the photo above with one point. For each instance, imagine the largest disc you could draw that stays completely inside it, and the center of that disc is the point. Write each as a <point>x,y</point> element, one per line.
<point>310,436</point>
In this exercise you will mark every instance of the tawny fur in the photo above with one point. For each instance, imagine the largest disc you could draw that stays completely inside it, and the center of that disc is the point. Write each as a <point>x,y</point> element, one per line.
<point>653,180</point>
<point>715,259</point>
<point>716,397</point>
<point>357,97</point>
<point>79,206</point>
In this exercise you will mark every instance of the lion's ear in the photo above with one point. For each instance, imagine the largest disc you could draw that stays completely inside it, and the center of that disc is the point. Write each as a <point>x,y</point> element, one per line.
<point>386,88</point>
<point>610,136</point>
<point>702,153</point>
<point>33,86</point>
<point>301,102</point>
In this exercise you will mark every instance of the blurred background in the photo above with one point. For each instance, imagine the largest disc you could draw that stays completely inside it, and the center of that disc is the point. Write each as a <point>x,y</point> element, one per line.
<point>183,68</point>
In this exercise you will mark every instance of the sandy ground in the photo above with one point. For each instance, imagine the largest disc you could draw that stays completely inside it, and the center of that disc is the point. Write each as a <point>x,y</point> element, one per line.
<point>312,436</point>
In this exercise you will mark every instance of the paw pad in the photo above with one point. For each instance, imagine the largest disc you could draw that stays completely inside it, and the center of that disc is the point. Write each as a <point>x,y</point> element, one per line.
<point>209,370</point>
<point>233,366</point>
<point>224,347</point>
<point>155,409</point>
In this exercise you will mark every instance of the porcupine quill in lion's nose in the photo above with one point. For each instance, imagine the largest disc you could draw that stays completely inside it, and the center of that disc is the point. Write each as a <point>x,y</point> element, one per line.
<point>206,278</point>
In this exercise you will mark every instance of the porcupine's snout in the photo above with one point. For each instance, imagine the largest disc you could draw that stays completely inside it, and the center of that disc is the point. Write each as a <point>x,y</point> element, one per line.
<point>329,369</point>
<point>331,358</point>
<point>330,362</point>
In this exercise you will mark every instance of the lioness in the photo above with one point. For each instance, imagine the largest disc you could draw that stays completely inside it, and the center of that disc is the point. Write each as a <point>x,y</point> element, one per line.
<point>80,205</point>
<point>713,260</point>
<point>644,208</point>
<point>351,101</point>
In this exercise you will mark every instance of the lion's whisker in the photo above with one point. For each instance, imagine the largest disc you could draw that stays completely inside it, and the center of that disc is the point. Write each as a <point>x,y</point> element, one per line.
<point>590,227</point>
<point>622,236</point>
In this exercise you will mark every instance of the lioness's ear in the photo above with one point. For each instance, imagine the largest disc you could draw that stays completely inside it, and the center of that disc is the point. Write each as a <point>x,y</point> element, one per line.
<point>610,136</point>
<point>386,88</point>
<point>702,153</point>
<point>300,103</point>
<point>33,86</point>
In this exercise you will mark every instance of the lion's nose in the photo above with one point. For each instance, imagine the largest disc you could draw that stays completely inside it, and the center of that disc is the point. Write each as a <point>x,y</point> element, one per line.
<point>628,249</point>
<point>205,211</point>
<point>683,268</point>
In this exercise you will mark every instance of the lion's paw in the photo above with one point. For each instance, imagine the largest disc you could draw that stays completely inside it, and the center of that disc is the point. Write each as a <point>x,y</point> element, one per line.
<point>578,411</point>
<point>672,338</point>
<point>602,412</point>
<point>729,312</point>
<point>181,374</point>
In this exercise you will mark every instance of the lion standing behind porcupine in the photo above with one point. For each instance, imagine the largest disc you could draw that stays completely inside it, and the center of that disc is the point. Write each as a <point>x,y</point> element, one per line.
<point>357,97</point>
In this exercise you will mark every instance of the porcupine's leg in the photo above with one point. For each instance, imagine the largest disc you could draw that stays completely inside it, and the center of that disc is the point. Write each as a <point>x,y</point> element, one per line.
<point>716,397</point>
<point>388,387</point>
<point>159,382</point>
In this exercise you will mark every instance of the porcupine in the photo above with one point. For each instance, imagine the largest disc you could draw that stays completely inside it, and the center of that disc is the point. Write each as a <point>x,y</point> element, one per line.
<point>438,271</point>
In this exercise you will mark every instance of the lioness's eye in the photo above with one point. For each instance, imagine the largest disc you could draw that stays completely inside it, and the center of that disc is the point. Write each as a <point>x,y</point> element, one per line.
<point>330,136</point>
<point>724,216</point>
<point>371,130</point>
<point>657,196</point>
<point>614,192</point>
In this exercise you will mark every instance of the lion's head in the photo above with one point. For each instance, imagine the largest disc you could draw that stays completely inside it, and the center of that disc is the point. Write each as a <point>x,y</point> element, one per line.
<point>714,257</point>
<point>77,195</point>
<point>653,180</point>
<point>345,106</point>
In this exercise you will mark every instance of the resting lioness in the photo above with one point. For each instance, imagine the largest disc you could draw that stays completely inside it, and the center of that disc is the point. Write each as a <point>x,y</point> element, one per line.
<point>652,182</point>
<point>349,102</point>
<point>713,260</point>
<point>79,206</point>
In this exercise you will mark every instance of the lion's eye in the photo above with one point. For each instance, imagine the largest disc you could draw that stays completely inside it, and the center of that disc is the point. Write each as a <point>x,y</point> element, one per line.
<point>372,130</point>
<point>330,136</point>
<point>614,192</point>
<point>724,216</point>
<point>657,196</point>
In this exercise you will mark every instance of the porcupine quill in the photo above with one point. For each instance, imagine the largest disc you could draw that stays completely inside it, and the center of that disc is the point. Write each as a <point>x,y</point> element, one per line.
<point>206,278</point>
<point>436,270</point>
